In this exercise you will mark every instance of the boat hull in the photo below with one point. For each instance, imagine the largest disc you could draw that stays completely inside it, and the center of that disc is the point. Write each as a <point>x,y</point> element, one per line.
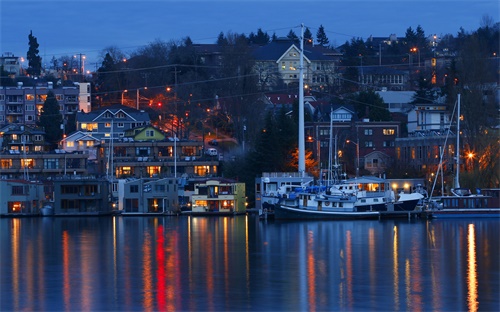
<point>408,205</point>
<point>291,213</point>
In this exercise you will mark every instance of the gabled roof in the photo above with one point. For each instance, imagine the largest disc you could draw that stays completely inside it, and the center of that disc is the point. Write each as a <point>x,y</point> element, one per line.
<point>282,98</point>
<point>79,136</point>
<point>276,50</point>
<point>132,113</point>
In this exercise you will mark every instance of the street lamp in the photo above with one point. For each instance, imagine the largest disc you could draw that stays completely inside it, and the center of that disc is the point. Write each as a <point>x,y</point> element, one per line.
<point>357,155</point>
<point>416,50</point>
<point>124,91</point>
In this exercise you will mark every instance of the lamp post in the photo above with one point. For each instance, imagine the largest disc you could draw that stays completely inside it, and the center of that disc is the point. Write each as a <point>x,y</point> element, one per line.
<point>124,91</point>
<point>137,96</point>
<point>357,156</point>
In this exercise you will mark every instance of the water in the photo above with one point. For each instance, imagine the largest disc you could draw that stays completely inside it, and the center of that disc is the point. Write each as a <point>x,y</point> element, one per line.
<point>243,264</point>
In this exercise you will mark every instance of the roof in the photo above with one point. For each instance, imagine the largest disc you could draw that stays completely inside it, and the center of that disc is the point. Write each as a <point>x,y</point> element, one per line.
<point>396,96</point>
<point>133,113</point>
<point>275,50</point>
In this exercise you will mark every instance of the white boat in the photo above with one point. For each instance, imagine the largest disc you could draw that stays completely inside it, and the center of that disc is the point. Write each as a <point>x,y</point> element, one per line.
<point>47,210</point>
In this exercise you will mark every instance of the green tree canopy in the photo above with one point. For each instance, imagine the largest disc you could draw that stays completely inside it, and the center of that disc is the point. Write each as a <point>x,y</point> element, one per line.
<point>321,36</point>
<point>51,120</point>
<point>34,60</point>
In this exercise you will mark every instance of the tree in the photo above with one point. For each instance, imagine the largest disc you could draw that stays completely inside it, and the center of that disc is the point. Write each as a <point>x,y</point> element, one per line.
<point>321,36</point>
<point>34,60</point>
<point>292,36</point>
<point>51,120</point>
<point>261,38</point>
<point>308,37</point>
<point>370,105</point>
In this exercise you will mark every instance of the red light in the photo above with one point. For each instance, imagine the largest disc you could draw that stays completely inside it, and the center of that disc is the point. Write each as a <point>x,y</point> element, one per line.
<point>159,104</point>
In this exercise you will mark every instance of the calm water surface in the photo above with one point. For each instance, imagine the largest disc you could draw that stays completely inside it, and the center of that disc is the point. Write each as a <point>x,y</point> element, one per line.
<point>242,264</point>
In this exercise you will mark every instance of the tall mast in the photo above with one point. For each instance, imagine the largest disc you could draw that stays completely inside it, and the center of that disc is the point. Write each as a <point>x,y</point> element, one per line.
<point>302,158</point>
<point>457,156</point>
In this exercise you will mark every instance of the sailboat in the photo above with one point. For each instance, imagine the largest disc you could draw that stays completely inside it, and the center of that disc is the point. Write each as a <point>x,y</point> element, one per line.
<point>462,203</point>
<point>357,198</point>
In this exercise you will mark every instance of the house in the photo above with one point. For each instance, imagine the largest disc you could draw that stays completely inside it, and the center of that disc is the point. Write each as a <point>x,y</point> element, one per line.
<point>145,133</point>
<point>383,77</point>
<point>81,195</point>
<point>20,197</point>
<point>81,142</point>
<point>21,138</point>
<point>428,117</point>
<point>218,196</point>
<point>280,59</point>
<point>10,64</point>
<point>147,195</point>
<point>397,101</point>
<point>112,121</point>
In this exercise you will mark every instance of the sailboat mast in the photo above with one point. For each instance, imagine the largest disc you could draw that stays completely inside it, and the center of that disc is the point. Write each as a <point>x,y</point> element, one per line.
<point>330,148</point>
<point>457,156</point>
<point>302,158</point>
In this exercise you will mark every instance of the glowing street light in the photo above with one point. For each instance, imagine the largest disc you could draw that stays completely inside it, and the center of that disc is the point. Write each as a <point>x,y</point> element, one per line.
<point>124,91</point>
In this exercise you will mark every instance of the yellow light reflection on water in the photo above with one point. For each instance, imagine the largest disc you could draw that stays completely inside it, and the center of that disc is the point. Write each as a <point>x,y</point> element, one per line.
<point>472,286</point>
<point>395,267</point>
<point>66,271</point>
<point>16,229</point>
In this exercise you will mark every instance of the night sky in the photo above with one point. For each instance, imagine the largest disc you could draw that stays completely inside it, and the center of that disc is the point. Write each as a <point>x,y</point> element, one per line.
<point>69,27</point>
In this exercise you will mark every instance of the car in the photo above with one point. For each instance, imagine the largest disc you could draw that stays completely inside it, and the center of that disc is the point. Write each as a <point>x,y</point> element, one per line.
<point>211,152</point>
<point>213,142</point>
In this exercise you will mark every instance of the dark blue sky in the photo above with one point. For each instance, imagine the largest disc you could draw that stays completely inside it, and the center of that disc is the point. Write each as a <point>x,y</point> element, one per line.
<point>68,27</point>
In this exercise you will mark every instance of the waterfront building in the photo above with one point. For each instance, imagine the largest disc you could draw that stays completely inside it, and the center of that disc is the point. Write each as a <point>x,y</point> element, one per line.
<point>20,196</point>
<point>81,195</point>
<point>216,195</point>
<point>146,195</point>
<point>130,158</point>
<point>41,165</point>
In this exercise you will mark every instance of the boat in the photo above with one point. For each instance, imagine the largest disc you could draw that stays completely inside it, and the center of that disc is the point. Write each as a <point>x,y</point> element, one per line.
<point>462,203</point>
<point>47,210</point>
<point>336,198</point>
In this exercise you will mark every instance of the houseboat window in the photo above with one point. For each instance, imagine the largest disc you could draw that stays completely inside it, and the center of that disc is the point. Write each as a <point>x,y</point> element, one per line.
<point>134,189</point>
<point>17,190</point>
<point>6,163</point>
<point>153,170</point>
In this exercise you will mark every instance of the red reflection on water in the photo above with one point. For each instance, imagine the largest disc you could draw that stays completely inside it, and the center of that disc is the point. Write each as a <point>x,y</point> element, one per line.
<point>311,272</point>
<point>160,269</point>
<point>66,271</point>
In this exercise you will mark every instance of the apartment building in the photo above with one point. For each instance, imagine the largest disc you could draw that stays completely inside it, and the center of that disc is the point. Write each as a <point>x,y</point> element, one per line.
<point>23,104</point>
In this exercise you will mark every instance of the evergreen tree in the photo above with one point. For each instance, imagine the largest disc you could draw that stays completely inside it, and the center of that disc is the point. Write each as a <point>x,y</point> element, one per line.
<point>292,36</point>
<point>321,37</point>
<point>34,60</point>
<point>51,120</point>
<point>221,40</point>
<point>308,37</point>
<point>369,104</point>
